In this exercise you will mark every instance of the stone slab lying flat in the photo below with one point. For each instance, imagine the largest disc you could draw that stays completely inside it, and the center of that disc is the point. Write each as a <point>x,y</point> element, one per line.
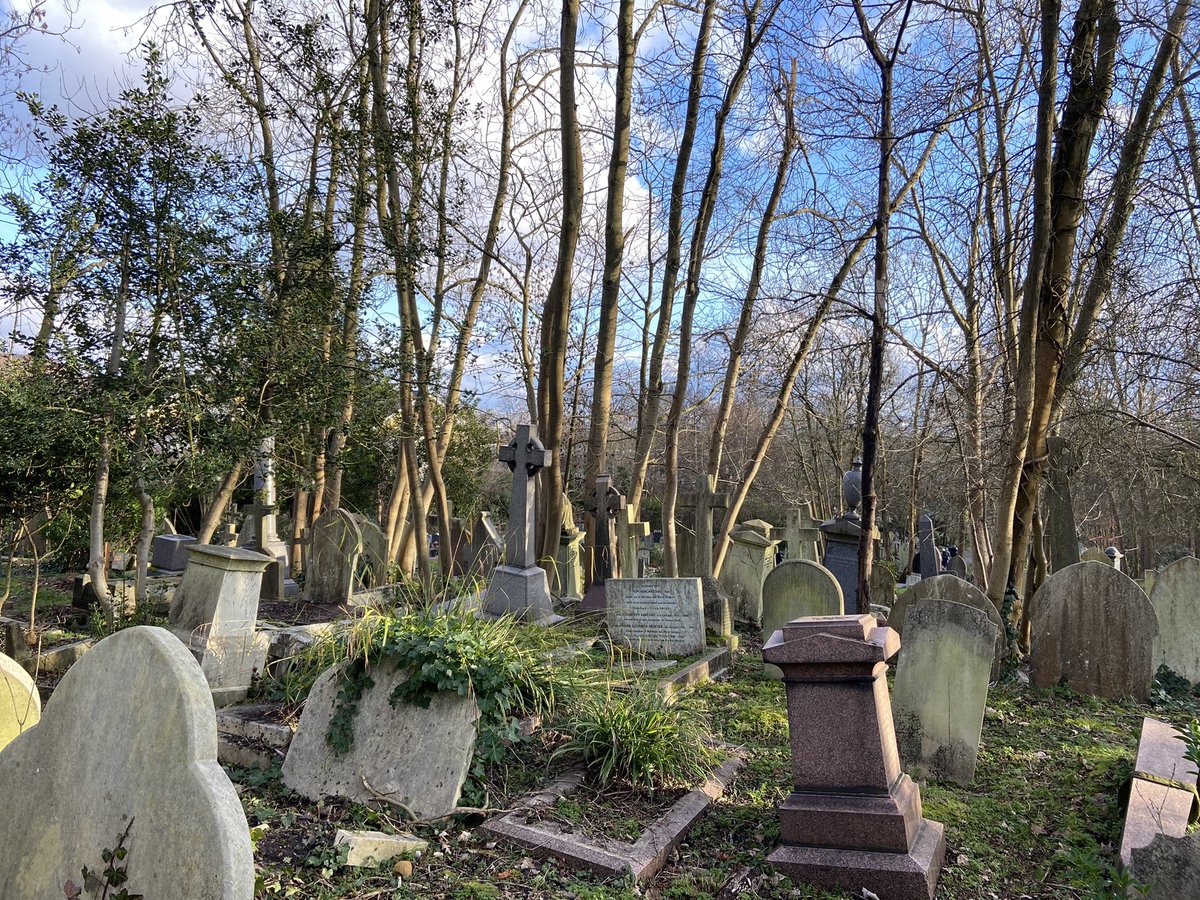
<point>370,848</point>
<point>708,667</point>
<point>641,859</point>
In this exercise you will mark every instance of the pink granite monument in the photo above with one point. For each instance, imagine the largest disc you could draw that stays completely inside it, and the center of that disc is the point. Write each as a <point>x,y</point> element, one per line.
<point>853,819</point>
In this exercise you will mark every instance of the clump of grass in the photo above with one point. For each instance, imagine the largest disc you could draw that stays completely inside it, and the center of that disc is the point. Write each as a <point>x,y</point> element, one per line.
<point>640,738</point>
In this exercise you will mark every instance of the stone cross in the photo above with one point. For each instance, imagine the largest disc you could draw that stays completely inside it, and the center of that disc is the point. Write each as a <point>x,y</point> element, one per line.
<point>263,513</point>
<point>526,457</point>
<point>705,501</point>
<point>604,504</point>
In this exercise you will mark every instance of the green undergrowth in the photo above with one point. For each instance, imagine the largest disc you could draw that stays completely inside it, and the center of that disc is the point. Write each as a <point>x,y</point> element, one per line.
<point>1040,820</point>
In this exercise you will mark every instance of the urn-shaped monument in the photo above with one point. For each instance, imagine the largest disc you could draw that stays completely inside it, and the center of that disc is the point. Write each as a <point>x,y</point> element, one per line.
<point>852,490</point>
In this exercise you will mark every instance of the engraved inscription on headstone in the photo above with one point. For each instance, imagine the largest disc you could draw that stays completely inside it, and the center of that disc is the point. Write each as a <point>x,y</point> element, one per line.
<point>658,616</point>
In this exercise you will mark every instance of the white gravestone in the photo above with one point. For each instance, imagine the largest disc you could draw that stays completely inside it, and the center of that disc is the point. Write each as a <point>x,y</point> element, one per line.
<point>214,613</point>
<point>130,733</point>
<point>941,689</point>
<point>20,705</point>
<point>337,544</point>
<point>657,616</point>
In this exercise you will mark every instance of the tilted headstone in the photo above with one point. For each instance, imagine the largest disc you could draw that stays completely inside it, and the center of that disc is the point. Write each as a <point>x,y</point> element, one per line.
<point>373,562</point>
<point>803,533</point>
<point>941,689</point>
<point>657,616</point>
<point>955,590</point>
<point>169,551</point>
<point>931,556</point>
<point>750,557</point>
<point>1093,630</point>
<point>520,586</point>
<point>1175,596</point>
<point>128,741</point>
<point>20,705</point>
<point>487,547</point>
<point>794,589</point>
<point>214,613</point>
<point>337,544</point>
<point>417,756</point>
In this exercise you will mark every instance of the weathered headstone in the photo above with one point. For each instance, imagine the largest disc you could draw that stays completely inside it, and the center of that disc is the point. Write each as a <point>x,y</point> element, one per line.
<point>20,705</point>
<point>657,616</point>
<point>883,586</point>
<point>603,552</point>
<point>1094,630</point>
<point>419,757</point>
<point>337,544</point>
<point>955,590</point>
<point>264,514</point>
<point>957,567</point>
<point>1175,596</point>
<point>750,557</point>
<point>931,556</point>
<point>794,589</point>
<point>853,819</point>
<point>631,536</point>
<point>803,533</point>
<point>214,612</point>
<point>487,547</point>
<point>519,586</point>
<point>718,607</point>
<point>700,506</point>
<point>567,578</point>
<point>941,688</point>
<point>373,562</point>
<point>1095,554</point>
<point>128,742</point>
<point>169,551</point>
<point>1169,867</point>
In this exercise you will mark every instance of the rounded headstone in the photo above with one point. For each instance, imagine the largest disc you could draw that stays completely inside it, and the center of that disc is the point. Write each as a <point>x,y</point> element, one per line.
<point>1175,596</point>
<point>20,705</point>
<point>956,590</point>
<point>1093,629</point>
<point>795,589</point>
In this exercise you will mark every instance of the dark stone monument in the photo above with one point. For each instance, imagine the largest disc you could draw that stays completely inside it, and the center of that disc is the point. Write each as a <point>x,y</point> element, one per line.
<point>853,819</point>
<point>603,556</point>
<point>843,534</point>
<point>931,556</point>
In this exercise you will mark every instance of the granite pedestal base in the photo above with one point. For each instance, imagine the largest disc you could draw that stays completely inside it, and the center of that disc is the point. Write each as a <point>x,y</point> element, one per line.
<point>894,876</point>
<point>524,593</point>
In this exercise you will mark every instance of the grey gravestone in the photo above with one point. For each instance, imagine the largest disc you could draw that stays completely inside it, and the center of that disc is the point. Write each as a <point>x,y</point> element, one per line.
<point>604,555</point>
<point>750,557</point>
<point>883,587</point>
<point>520,586</point>
<point>1063,536</point>
<point>487,547</point>
<point>1169,866</point>
<point>718,607</point>
<point>1094,630</point>
<point>794,589</point>
<point>657,616</point>
<point>802,533</point>
<point>373,562</point>
<point>931,556</point>
<point>1175,596</point>
<point>955,590</point>
<point>957,567</point>
<point>337,543</point>
<point>702,505</point>
<point>130,733</point>
<point>567,578</point>
<point>215,611</point>
<point>941,689</point>
<point>1095,554</point>
<point>20,704</point>
<point>842,538</point>
<point>169,552</point>
<point>419,757</point>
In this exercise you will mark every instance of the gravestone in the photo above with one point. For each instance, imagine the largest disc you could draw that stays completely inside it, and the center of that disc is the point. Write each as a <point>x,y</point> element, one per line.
<point>1062,535</point>
<point>931,556</point>
<point>954,590</point>
<point>264,514</point>
<point>603,555</point>
<point>487,547</point>
<point>419,757</point>
<point>337,544</point>
<point>1169,867</point>
<point>129,734</point>
<point>657,616</point>
<point>883,586</point>
<point>718,607</point>
<point>1095,554</point>
<point>631,536</point>
<point>519,586</point>
<point>373,561</point>
<point>750,557</point>
<point>941,689</point>
<point>853,819</point>
<point>214,613</point>
<point>1175,596</point>
<point>169,552</point>
<point>20,705</point>
<point>1094,630</point>
<point>957,567</point>
<point>794,589</point>
<point>842,538</point>
<point>700,507</point>
<point>567,578</point>
<point>803,533</point>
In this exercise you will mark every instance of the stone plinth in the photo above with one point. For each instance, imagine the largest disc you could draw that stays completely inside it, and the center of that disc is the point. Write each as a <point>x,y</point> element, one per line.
<point>853,820</point>
<point>214,613</point>
<point>169,552</point>
<point>524,593</point>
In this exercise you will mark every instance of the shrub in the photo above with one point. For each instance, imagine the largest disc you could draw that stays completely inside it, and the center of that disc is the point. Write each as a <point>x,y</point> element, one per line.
<point>641,738</point>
